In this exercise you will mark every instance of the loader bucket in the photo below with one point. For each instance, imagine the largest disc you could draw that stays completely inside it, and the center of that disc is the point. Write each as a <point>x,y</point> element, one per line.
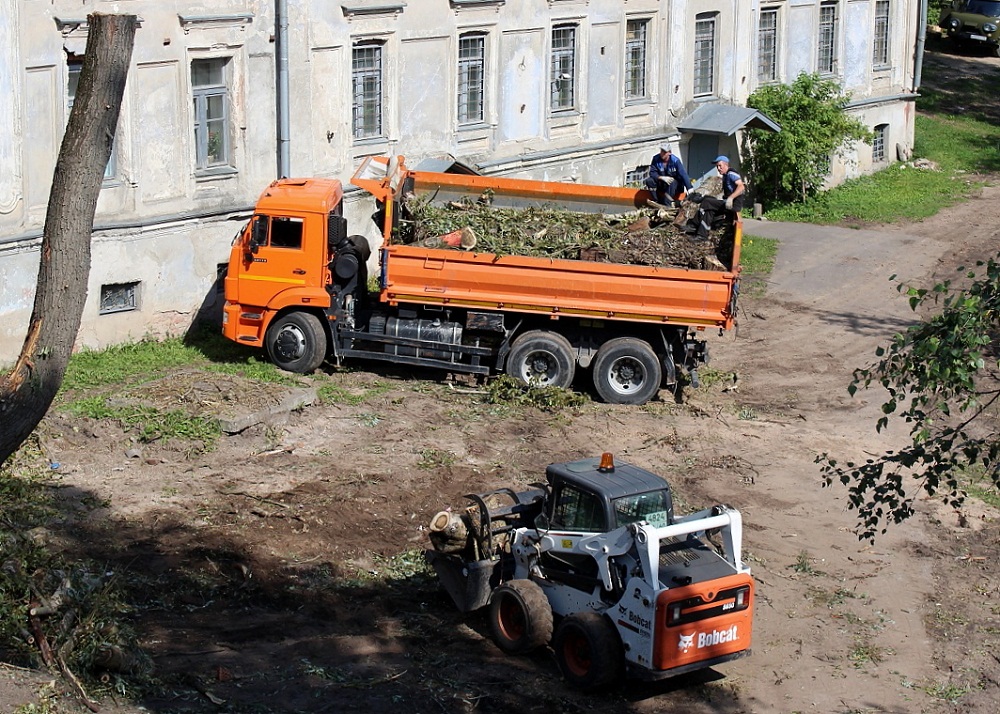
<point>468,584</point>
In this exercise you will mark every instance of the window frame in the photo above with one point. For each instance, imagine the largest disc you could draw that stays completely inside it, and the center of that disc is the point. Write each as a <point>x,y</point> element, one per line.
<point>465,90</point>
<point>882,37</point>
<point>767,45</point>
<point>704,66</point>
<point>361,131</point>
<point>74,66</point>
<point>201,100</point>
<point>880,134</point>
<point>129,290</point>
<point>562,58</point>
<point>636,69</point>
<point>827,33</point>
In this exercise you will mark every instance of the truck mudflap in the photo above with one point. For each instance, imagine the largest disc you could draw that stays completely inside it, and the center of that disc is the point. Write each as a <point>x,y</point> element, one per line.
<point>468,584</point>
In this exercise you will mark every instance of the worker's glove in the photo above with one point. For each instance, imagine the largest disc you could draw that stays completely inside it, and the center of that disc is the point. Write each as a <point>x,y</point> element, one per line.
<point>729,204</point>
<point>667,179</point>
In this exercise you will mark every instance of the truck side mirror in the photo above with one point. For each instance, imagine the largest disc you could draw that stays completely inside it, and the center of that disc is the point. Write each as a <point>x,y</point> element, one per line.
<point>258,234</point>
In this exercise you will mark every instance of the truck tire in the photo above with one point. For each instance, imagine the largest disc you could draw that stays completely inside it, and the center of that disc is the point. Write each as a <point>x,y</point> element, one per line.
<point>626,371</point>
<point>588,650</point>
<point>543,359</point>
<point>296,342</point>
<point>520,617</point>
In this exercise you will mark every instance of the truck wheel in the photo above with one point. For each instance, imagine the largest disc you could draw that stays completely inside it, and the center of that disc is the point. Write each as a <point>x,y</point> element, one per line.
<point>588,650</point>
<point>626,371</point>
<point>543,359</point>
<point>520,617</point>
<point>296,342</point>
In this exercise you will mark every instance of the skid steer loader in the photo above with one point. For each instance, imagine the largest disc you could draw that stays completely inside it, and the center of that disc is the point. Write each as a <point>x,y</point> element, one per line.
<point>596,563</point>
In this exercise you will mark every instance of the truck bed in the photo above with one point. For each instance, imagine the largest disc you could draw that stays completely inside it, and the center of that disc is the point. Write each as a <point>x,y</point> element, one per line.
<point>606,291</point>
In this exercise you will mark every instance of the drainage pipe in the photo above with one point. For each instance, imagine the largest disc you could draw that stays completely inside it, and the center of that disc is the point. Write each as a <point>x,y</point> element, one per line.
<point>281,86</point>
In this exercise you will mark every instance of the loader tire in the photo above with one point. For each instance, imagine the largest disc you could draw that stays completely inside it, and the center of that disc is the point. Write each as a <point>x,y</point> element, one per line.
<point>296,342</point>
<point>520,617</point>
<point>589,651</point>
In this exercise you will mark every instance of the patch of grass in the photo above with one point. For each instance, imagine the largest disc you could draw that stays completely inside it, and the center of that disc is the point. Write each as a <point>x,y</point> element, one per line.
<point>121,363</point>
<point>830,598</point>
<point>435,459</point>
<point>865,653</point>
<point>946,691</point>
<point>709,377</point>
<point>149,423</point>
<point>149,358</point>
<point>332,393</point>
<point>757,258</point>
<point>804,565</point>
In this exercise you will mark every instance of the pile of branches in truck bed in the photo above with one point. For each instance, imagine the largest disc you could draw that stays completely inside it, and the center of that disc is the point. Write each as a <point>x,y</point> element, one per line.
<point>653,237</point>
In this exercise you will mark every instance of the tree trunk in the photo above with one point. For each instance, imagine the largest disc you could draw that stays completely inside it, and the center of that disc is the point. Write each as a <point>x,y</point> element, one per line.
<point>27,391</point>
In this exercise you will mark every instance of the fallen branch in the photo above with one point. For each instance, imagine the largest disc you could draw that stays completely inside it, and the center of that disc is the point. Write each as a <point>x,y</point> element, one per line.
<point>78,686</point>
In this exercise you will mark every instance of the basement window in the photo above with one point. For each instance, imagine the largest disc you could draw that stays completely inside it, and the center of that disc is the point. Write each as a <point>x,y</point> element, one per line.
<point>636,178</point>
<point>119,297</point>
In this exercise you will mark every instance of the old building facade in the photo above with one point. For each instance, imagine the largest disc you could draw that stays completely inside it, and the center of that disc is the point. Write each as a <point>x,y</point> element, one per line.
<point>565,90</point>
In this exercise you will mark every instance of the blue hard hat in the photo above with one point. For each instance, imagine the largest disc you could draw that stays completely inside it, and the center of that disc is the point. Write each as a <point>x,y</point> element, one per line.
<point>721,158</point>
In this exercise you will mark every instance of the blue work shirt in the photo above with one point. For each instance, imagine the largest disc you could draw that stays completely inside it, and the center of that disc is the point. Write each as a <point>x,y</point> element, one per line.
<point>672,167</point>
<point>729,181</point>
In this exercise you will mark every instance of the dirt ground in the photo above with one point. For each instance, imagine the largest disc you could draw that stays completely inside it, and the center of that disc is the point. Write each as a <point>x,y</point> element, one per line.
<point>258,568</point>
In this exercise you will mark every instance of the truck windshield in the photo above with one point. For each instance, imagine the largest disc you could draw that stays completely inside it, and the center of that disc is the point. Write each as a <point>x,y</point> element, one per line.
<point>650,507</point>
<point>981,7</point>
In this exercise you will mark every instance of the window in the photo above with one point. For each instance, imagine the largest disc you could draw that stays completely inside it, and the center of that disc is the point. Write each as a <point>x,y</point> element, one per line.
<point>767,46</point>
<point>578,511</point>
<point>119,297</point>
<point>878,142</point>
<point>211,112</point>
<point>704,55</point>
<point>880,51</point>
<point>650,507</point>
<point>366,84</point>
<point>75,66</point>
<point>471,71</point>
<point>636,178</point>
<point>635,59</point>
<point>286,232</point>
<point>563,70</point>
<point>827,50</point>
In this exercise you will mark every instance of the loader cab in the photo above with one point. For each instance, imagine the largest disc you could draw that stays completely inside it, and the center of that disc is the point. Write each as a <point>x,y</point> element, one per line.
<point>597,495</point>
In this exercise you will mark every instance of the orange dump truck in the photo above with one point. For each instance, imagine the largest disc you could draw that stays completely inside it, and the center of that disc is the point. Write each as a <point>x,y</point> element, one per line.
<point>297,285</point>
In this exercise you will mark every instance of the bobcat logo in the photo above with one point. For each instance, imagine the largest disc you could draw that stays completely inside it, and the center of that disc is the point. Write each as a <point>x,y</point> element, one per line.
<point>684,644</point>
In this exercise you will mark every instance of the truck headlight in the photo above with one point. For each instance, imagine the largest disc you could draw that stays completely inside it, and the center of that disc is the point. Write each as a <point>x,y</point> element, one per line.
<point>989,27</point>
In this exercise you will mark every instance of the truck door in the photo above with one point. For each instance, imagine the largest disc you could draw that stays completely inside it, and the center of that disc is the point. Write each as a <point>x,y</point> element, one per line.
<point>276,258</point>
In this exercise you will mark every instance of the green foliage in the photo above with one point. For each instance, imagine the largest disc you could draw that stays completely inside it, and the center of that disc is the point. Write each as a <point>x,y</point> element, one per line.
<point>941,376</point>
<point>511,391</point>
<point>793,163</point>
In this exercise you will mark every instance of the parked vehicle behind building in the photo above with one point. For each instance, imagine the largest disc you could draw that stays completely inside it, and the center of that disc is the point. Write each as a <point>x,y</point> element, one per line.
<point>974,22</point>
